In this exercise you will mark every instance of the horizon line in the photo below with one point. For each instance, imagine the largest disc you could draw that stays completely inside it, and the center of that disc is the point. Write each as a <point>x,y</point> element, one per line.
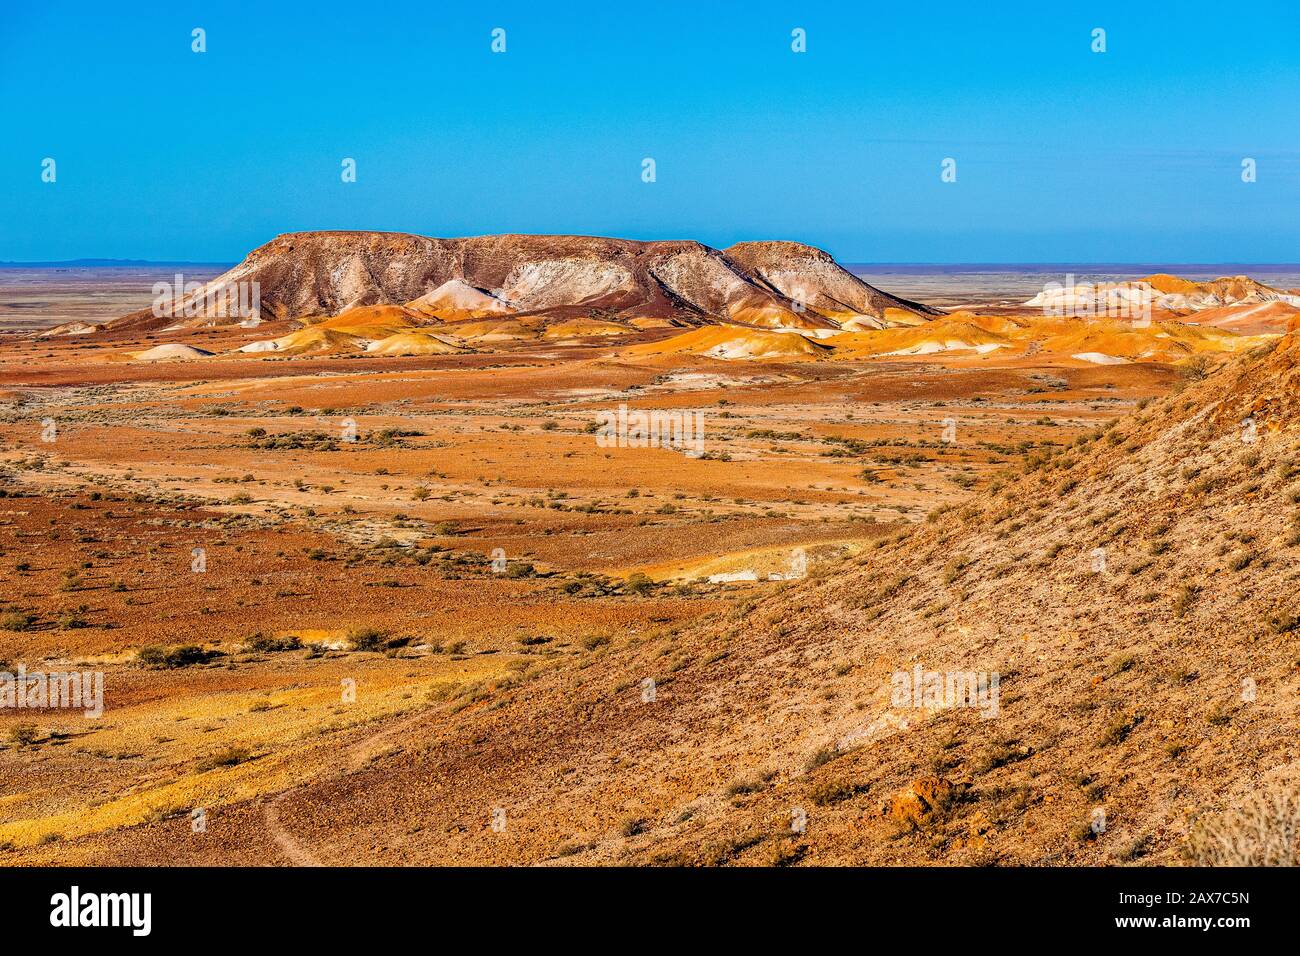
<point>113,263</point>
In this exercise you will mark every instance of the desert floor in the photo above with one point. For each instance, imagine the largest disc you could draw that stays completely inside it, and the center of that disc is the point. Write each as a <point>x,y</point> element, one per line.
<point>352,501</point>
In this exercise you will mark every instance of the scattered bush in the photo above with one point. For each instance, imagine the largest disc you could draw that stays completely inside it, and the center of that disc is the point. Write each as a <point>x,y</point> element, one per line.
<point>367,638</point>
<point>17,621</point>
<point>185,655</point>
<point>740,788</point>
<point>230,757</point>
<point>1283,622</point>
<point>821,756</point>
<point>831,791</point>
<point>1184,600</point>
<point>265,644</point>
<point>1118,730</point>
<point>954,568</point>
<point>639,584</point>
<point>24,735</point>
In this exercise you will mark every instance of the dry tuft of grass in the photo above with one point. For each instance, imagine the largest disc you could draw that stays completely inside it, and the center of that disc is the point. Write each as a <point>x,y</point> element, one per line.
<point>1263,831</point>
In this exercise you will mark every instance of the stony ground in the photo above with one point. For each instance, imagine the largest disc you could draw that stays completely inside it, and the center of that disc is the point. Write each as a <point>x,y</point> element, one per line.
<point>1130,579</point>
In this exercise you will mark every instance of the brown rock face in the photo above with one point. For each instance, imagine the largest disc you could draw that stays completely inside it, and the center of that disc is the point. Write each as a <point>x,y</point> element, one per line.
<point>766,284</point>
<point>807,274</point>
<point>916,804</point>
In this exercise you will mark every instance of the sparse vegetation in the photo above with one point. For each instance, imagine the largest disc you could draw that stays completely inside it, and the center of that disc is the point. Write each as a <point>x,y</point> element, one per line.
<point>1263,830</point>
<point>367,639</point>
<point>17,621</point>
<point>24,734</point>
<point>184,655</point>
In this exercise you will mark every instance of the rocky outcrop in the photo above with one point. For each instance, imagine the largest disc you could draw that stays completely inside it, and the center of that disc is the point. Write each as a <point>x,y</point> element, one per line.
<point>809,277</point>
<point>765,284</point>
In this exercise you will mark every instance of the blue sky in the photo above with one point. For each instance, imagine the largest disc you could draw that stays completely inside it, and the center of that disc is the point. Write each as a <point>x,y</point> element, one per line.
<point>1063,154</point>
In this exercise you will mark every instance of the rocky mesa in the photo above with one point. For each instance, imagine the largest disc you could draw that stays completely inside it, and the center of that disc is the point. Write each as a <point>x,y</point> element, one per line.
<point>765,284</point>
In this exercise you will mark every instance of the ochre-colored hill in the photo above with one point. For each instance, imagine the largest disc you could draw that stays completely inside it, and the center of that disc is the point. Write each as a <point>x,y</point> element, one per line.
<point>1267,318</point>
<point>372,321</point>
<point>414,343</point>
<point>312,339</point>
<point>734,342</point>
<point>940,335</point>
<point>1164,283</point>
<point>581,328</point>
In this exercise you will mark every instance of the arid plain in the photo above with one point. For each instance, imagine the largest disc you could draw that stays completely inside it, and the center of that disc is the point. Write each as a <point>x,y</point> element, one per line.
<point>380,592</point>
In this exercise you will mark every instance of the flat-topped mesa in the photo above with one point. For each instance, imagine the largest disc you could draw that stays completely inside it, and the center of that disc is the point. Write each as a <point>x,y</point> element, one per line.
<point>767,284</point>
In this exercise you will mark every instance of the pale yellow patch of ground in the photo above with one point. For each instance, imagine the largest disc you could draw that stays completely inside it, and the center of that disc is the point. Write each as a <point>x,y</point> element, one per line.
<point>287,737</point>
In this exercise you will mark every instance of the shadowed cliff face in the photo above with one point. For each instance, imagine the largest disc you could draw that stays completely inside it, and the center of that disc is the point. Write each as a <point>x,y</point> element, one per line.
<point>766,284</point>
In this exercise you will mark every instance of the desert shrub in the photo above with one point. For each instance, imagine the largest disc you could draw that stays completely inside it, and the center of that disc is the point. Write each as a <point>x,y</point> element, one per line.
<point>150,656</point>
<point>831,791</point>
<point>443,691</point>
<point>1283,622</point>
<point>1117,730</point>
<point>229,757</point>
<point>783,853</point>
<point>1241,560</point>
<point>1219,715</point>
<point>1184,600</point>
<point>995,755</point>
<point>17,621</point>
<point>1138,847</point>
<point>1262,831</point>
<point>73,619</point>
<point>953,569</point>
<point>265,644</point>
<point>314,441</point>
<point>185,655</point>
<point>739,788</point>
<point>388,437</point>
<point>1120,662</point>
<point>639,583</point>
<point>367,638</point>
<point>1195,368</point>
<point>1084,832</point>
<point>822,756</point>
<point>24,735</point>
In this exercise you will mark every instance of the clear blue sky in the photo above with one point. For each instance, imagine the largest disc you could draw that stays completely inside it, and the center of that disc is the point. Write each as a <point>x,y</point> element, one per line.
<point>1062,154</point>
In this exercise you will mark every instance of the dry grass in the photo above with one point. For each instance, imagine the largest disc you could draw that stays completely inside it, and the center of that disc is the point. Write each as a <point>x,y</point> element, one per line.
<point>1263,831</point>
